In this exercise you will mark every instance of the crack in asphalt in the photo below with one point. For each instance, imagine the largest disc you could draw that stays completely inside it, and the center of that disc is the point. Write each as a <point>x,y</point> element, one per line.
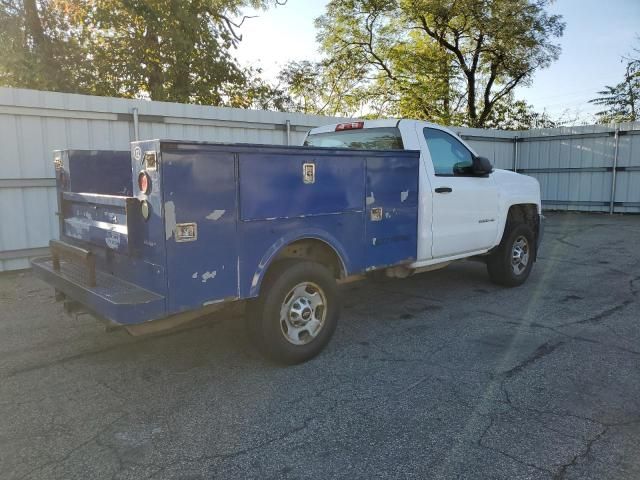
<point>598,317</point>
<point>73,450</point>
<point>518,321</point>
<point>562,471</point>
<point>480,444</point>
<point>226,456</point>
<point>543,350</point>
<point>560,474</point>
<point>539,353</point>
<point>134,341</point>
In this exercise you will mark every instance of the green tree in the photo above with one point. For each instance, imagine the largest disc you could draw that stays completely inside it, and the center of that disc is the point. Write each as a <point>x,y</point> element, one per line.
<point>450,61</point>
<point>38,45</point>
<point>322,89</point>
<point>511,114</point>
<point>256,93</point>
<point>621,102</point>
<point>168,50</point>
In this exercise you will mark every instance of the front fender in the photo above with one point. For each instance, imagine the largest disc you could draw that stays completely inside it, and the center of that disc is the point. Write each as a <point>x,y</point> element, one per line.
<point>514,189</point>
<point>311,233</point>
<point>504,215</point>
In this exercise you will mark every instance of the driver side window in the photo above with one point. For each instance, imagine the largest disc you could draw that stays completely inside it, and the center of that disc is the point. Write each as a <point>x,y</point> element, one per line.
<point>449,155</point>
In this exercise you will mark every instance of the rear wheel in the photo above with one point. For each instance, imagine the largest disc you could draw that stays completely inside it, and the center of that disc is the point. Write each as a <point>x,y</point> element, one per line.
<point>510,264</point>
<point>296,313</point>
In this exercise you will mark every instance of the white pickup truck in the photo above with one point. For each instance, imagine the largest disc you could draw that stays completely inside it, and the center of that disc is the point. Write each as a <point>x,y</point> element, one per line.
<point>466,208</point>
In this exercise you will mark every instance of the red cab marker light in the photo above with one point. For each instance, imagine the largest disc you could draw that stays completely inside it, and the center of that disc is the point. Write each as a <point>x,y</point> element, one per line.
<point>144,182</point>
<point>349,126</point>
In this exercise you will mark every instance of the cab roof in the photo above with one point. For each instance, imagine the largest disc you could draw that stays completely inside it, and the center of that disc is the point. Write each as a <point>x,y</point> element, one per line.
<point>384,123</point>
<point>392,122</point>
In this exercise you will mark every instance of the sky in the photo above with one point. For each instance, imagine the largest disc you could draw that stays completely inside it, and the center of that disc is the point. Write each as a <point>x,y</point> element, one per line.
<point>597,34</point>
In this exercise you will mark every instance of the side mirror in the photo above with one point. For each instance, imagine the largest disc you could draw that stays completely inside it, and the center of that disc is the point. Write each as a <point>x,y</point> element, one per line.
<point>481,166</point>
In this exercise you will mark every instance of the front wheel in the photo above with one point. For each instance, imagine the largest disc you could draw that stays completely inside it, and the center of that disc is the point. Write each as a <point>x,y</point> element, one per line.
<point>510,264</point>
<point>296,313</point>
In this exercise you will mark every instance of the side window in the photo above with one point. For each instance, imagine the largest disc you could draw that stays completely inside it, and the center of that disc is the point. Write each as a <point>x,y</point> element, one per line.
<point>449,155</point>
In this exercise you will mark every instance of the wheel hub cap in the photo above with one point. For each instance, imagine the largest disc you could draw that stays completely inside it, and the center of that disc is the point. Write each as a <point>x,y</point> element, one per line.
<point>519,255</point>
<point>303,313</point>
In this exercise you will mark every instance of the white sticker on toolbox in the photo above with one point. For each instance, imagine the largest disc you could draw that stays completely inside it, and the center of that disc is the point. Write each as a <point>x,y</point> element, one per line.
<point>113,240</point>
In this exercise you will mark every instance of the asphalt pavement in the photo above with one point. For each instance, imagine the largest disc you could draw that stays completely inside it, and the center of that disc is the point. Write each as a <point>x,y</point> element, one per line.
<point>441,375</point>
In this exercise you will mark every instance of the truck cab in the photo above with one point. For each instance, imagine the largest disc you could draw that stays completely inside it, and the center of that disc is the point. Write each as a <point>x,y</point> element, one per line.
<point>463,207</point>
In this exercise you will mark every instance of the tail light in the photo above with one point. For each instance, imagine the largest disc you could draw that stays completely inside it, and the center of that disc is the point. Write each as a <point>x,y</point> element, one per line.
<point>349,126</point>
<point>144,183</point>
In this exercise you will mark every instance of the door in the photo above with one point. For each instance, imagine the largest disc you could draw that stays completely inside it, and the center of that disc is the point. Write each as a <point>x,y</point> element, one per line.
<point>465,206</point>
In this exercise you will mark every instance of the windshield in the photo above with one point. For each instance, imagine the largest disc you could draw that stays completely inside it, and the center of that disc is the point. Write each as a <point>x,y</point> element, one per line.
<point>360,139</point>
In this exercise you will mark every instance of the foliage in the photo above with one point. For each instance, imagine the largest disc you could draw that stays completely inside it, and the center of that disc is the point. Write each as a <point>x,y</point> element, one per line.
<point>38,45</point>
<point>621,102</point>
<point>511,114</point>
<point>320,88</point>
<point>162,49</point>
<point>256,93</point>
<point>449,61</point>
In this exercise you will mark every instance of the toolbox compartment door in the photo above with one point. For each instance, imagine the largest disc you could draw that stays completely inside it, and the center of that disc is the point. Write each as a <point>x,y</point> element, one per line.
<point>199,195</point>
<point>299,184</point>
<point>392,210</point>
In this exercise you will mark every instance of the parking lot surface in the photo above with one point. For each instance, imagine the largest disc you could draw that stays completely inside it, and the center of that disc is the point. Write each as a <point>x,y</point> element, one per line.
<point>441,375</point>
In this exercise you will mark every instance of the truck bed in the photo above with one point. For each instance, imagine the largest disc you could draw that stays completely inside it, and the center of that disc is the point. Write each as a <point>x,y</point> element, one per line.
<point>220,214</point>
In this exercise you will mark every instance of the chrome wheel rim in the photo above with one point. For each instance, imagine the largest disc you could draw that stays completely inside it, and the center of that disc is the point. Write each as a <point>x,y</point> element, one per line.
<point>303,313</point>
<point>519,255</point>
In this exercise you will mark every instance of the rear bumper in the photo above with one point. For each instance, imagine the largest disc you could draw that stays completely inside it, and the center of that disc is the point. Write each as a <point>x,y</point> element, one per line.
<point>112,298</point>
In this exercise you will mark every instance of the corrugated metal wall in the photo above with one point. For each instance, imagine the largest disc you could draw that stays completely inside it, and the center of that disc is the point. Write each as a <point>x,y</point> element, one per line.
<point>498,146</point>
<point>33,123</point>
<point>575,166</point>
<point>590,168</point>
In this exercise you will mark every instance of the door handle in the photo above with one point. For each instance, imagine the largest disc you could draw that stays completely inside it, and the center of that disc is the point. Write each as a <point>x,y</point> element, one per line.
<point>444,190</point>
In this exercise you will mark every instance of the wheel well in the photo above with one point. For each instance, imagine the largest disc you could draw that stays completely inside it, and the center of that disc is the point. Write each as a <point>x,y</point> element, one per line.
<point>315,250</point>
<point>523,213</point>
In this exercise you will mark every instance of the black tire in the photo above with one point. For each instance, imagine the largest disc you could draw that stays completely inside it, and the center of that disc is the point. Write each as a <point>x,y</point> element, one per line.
<point>499,264</point>
<point>264,325</point>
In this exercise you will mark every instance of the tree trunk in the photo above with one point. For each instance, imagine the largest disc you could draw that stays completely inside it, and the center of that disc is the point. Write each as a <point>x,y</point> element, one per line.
<point>34,24</point>
<point>45,73</point>
<point>471,101</point>
<point>155,75</point>
<point>446,71</point>
<point>632,97</point>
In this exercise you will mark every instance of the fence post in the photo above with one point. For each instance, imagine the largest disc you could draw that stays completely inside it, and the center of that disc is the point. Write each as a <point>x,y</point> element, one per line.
<point>515,153</point>
<point>136,125</point>
<point>614,171</point>
<point>288,123</point>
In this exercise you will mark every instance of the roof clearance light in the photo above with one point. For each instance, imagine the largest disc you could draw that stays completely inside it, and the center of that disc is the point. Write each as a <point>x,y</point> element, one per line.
<point>349,126</point>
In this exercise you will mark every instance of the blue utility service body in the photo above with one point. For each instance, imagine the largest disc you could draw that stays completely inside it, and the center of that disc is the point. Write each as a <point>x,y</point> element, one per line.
<point>218,215</point>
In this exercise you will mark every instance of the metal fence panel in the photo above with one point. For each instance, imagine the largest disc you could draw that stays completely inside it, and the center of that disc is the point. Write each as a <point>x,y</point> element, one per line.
<point>628,175</point>
<point>572,166</point>
<point>34,123</point>
<point>576,166</point>
<point>497,146</point>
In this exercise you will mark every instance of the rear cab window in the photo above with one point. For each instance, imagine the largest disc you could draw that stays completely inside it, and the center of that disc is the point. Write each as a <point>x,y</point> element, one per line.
<point>383,138</point>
